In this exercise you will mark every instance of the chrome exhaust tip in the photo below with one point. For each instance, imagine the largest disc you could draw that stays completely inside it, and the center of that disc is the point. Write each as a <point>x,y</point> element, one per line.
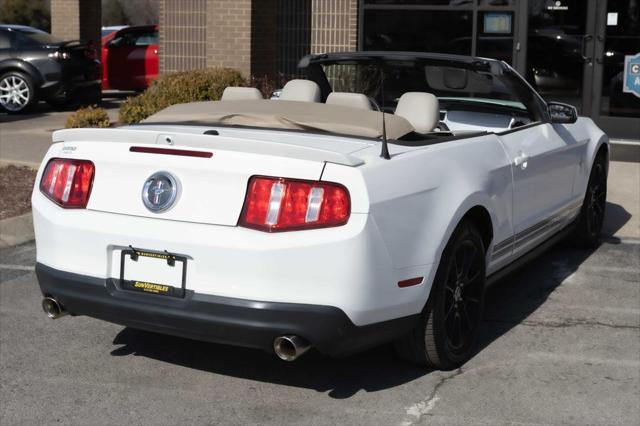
<point>52,308</point>
<point>290,348</point>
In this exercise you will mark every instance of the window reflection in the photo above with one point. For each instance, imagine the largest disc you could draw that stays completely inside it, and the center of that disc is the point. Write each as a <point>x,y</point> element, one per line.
<point>622,39</point>
<point>554,55</point>
<point>418,31</point>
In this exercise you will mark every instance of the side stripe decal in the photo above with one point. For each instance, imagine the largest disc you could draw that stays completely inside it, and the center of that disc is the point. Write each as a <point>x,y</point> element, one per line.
<point>524,237</point>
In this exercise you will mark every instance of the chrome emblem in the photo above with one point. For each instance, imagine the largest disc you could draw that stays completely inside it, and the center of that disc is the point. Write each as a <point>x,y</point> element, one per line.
<point>159,192</point>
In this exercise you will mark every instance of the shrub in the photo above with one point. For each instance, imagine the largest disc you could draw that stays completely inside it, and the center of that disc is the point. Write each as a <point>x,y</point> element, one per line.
<point>88,117</point>
<point>188,86</point>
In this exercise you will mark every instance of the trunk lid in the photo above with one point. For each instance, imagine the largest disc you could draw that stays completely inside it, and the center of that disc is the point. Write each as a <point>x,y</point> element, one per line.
<point>210,190</point>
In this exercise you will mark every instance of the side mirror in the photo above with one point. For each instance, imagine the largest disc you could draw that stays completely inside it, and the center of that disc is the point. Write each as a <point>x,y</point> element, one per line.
<point>562,113</point>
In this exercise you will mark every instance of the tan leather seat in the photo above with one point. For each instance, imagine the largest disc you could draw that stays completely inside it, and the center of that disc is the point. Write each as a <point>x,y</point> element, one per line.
<point>301,90</point>
<point>420,109</point>
<point>233,93</point>
<point>352,100</point>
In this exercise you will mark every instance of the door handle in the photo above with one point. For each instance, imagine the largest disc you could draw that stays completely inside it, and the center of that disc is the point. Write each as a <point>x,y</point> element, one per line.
<point>521,160</point>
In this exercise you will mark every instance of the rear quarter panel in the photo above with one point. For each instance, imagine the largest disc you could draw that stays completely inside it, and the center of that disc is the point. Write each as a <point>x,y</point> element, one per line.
<point>419,196</point>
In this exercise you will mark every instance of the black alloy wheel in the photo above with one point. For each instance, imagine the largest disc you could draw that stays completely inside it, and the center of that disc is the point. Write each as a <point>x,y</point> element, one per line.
<point>445,337</point>
<point>591,219</point>
<point>596,200</point>
<point>463,294</point>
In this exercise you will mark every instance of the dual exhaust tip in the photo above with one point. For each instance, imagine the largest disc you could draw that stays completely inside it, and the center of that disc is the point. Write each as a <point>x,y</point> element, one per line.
<point>287,348</point>
<point>52,308</point>
<point>290,348</point>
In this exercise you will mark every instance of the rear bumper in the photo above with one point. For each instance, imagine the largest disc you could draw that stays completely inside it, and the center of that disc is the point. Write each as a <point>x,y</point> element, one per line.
<point>217,319</point>
<point>71,80</point>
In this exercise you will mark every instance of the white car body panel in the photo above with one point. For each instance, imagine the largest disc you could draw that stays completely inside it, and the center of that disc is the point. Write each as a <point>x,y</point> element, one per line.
<point>403,210</point>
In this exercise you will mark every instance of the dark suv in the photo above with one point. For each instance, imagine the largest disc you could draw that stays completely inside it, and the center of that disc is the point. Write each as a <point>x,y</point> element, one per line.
<point>34,66</point>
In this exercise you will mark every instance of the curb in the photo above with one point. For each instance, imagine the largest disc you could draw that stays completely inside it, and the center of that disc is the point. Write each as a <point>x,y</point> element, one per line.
<point>16,230</point>
<point>625,150</point>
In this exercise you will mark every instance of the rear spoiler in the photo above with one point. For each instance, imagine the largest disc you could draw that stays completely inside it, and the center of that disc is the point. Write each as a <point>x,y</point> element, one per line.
<point>138,135</point>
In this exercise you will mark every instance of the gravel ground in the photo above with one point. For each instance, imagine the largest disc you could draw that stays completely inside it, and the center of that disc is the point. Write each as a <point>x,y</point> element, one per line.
<point>16,184</point>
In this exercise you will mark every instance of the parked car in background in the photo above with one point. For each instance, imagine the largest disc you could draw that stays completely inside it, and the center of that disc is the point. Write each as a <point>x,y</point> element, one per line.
<point>34,66</point>
<point>130,59</point>
<point>111,29</point>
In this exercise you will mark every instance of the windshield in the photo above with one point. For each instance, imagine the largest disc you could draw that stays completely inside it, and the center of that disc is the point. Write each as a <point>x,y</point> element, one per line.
<point>449,84</point>
<point>26,37</point>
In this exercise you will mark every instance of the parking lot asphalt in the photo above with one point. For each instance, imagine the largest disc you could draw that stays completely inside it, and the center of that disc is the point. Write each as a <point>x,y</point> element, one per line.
<point>25,138</point>
<point>560,343</point>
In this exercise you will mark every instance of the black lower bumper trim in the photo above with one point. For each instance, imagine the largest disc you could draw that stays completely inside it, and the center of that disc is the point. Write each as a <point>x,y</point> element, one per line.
<point>214,318</point>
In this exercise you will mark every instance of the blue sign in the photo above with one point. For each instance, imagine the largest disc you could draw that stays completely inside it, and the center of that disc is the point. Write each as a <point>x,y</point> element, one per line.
<point>631,82</point>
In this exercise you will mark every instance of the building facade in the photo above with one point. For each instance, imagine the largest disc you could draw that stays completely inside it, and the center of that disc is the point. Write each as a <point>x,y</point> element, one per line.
<point>572,51</point>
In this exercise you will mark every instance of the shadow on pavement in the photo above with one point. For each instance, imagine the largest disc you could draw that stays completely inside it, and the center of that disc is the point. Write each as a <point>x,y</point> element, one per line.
<point>371,371</point>
<point>40,111</point>
<point>512,300</point>
<point>111,99</point>
<point>508,303</point>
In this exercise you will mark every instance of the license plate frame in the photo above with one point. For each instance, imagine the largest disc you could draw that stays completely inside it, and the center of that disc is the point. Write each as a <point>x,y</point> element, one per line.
<point>151,287</point>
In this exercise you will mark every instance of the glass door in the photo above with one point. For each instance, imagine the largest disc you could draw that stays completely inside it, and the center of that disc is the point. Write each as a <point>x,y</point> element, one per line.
<point>615,85</point>
<point>559,50</point>
<point>576,53</point>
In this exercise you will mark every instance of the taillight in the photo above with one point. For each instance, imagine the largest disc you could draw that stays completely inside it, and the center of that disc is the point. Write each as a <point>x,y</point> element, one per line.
<point>277,204</point>
<point>68,182</point>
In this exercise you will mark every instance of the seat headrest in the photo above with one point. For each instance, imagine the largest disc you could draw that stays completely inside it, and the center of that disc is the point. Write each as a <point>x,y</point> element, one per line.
<point>301,90</point>
<point>421,109</point>
<point>233,93</point>
<point>352,100</point>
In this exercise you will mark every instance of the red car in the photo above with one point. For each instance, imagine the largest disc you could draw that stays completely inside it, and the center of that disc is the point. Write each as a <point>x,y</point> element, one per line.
<point>130,59</point>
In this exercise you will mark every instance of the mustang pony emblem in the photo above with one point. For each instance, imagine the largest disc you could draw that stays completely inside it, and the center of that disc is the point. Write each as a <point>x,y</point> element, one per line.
<point>159,191</point>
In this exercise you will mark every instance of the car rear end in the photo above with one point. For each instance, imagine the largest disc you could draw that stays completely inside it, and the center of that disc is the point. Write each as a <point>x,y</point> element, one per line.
<point>219,238</point>
<point>73,73</point>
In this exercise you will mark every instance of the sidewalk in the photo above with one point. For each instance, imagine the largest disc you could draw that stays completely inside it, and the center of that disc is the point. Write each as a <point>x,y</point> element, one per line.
<point>24,139</point>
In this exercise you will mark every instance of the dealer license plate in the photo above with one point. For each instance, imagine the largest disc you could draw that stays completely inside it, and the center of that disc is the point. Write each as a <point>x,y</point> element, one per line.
<point>155,272</point>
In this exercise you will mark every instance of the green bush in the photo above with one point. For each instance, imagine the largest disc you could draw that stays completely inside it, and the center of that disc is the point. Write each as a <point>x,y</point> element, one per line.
<point>188,86</point>
<point>88,117</point>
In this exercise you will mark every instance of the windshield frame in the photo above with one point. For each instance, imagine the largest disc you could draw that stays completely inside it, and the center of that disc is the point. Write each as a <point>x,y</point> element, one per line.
<point>519,89</point>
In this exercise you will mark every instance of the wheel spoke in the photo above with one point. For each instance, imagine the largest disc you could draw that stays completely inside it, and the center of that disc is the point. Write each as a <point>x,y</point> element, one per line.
<point>472,300</point>
<point>446,316</point>
<point>466,316</point>
<point>457,266</point>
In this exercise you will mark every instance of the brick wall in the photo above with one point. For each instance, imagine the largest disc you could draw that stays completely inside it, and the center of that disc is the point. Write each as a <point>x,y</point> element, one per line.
<point>76,19</point>
<point>229,34</point>
<point>183,35</point>
<point>257,37</point>
<point>334,26</point>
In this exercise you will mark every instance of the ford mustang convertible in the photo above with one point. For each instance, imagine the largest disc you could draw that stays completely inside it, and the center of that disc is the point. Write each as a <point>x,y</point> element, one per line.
<point>372,202</point>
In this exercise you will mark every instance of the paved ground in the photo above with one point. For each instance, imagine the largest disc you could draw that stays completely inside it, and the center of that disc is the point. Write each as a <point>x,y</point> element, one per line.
<point>560,344</point>
<point>26,138</point>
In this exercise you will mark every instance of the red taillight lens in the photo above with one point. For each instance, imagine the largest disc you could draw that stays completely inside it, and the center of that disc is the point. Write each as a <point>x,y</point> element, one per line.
<point>68,182</point>
<point>277,204</point>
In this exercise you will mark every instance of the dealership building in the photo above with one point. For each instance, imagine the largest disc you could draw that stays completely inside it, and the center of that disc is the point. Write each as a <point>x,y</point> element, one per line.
<point>583,52</point>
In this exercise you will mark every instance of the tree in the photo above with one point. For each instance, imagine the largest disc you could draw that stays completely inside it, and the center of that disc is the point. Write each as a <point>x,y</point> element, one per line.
<point>34,13</point>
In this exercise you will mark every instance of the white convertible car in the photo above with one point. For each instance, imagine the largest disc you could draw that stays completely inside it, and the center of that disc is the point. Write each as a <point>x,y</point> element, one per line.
<point>372,202</point>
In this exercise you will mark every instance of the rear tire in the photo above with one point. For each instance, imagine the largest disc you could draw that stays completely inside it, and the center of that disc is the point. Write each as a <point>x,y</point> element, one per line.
<point>445,337</point>
<point>17,93</point>
<point>587,232</point>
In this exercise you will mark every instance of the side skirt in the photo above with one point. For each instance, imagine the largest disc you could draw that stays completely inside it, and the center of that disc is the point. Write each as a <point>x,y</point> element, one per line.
<point>531,254</point>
